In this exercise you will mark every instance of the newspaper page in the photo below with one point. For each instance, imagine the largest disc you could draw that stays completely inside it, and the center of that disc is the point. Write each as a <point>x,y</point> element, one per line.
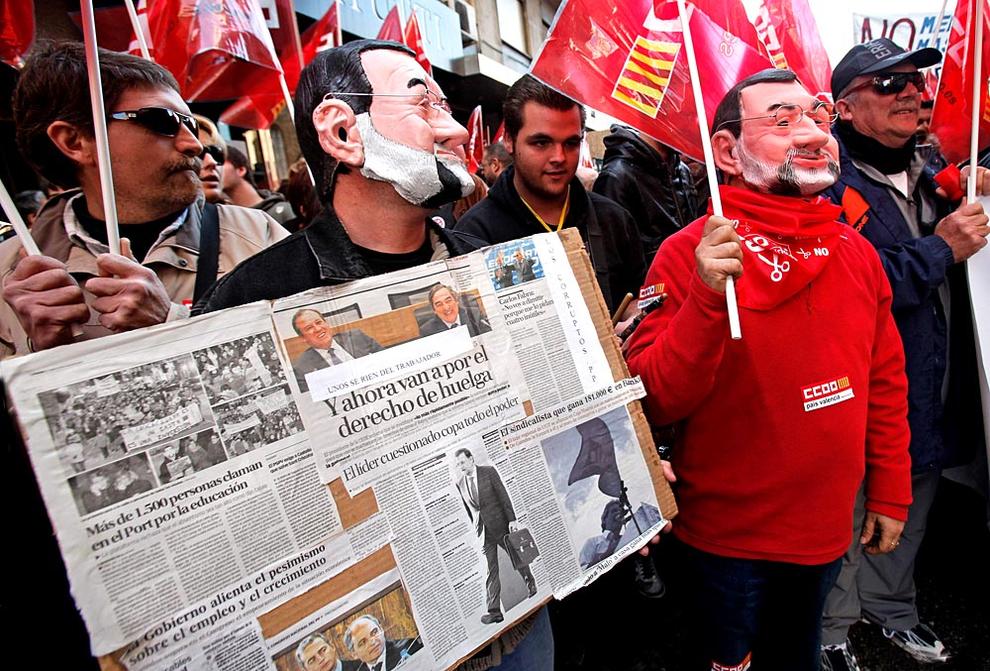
<point>584,480</point>
<point>221,632</point>
<point>393,367</point>
<point>171,469</point>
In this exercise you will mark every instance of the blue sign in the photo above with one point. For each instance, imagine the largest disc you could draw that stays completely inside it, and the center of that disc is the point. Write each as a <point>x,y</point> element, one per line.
<point>438,23</point>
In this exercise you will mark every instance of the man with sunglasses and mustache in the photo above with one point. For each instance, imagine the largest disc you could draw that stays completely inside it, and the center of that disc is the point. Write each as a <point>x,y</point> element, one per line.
<point>888,193</point>
<point>385,152</point>
<point>775,430</point>
<point>156,158</point>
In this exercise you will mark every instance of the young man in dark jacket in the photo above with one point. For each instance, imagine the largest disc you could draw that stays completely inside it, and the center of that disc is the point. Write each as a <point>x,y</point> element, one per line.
<point>651,181</point>
<point>888,194</point>
<point>540,193</point>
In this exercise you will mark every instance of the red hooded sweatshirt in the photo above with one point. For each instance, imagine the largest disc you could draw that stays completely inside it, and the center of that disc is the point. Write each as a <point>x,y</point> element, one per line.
<point>777,429</point>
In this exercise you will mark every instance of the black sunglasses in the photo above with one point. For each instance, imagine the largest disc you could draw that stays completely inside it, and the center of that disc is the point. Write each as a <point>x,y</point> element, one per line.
<point>892,82</point>
<point>160,120</point>
<point>218,154</point>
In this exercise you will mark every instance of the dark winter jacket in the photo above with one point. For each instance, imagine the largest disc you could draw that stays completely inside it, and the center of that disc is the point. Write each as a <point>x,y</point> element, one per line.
<point>276,206</point>
<point>607,229</point>
<point>319,255</point>
<point>659,193</point>
<point>946,434</point>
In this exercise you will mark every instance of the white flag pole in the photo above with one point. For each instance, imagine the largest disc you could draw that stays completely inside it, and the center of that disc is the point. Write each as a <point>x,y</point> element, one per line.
<point>974,129</point>
<point>706,144</point>
<point>23,234</point>
<point>138,32</point>
<point>100,125</point>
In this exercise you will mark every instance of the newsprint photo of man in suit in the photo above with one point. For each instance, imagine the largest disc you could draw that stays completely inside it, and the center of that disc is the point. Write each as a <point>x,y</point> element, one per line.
<point>327,347</point>
<point>451,311</point>
<point>488,505</point>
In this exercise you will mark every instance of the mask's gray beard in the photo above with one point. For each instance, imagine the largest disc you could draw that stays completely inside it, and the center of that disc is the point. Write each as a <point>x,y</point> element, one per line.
<point>420,177</point>
<point>785,179</point>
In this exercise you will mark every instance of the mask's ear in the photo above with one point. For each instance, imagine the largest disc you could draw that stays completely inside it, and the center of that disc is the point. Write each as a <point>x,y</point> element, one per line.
<point>726,155</point>
<point>336,127</point>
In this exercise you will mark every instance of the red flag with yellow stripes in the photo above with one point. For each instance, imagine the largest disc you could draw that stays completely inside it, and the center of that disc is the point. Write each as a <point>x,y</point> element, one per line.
<point>646,74</point>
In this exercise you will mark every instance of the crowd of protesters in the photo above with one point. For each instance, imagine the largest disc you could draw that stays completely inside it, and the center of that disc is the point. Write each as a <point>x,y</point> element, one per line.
<point>806,455</point>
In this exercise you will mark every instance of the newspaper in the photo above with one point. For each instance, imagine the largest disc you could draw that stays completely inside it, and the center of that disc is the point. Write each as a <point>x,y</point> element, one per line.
<point>214,478</point>
<point>171,469</point>
<point>377,369</point>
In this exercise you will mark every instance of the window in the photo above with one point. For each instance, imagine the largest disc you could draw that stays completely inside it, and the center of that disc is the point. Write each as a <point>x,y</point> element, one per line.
<point>512,24</point>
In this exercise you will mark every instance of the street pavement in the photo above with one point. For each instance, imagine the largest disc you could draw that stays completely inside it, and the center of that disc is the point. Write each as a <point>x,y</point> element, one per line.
<point>608,627</point>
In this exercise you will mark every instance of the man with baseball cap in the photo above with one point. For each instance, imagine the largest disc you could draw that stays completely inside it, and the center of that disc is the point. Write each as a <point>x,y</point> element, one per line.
<point>888,193</point>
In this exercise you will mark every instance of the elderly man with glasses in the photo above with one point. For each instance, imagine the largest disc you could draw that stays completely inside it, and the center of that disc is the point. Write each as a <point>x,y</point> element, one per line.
<point>924,236</point>
<point>775,430</point>
<point>76,289</point>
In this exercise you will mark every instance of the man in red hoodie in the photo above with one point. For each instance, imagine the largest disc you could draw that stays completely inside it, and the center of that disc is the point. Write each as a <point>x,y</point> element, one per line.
<point>775,431</point>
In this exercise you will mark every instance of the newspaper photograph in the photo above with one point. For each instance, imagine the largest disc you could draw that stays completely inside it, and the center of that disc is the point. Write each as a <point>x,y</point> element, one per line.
<point>201,636</point>
<point>170,469</point>
<point>396,366</point>
<point>370,628</point>
<point>582,467</point>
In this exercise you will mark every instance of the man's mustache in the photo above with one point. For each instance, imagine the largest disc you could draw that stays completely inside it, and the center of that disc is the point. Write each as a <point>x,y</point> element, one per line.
<point>194,164</point>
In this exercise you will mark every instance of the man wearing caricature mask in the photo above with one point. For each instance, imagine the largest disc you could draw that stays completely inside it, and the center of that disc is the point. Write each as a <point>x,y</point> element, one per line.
<point>385,152</point>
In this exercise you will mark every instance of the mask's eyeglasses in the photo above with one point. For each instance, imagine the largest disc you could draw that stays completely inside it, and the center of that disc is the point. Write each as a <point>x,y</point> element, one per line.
<point>427,97</point>
<point>786,116</point>
<point>160,120</point>
<point>216,152</point>
<point>892,82</point>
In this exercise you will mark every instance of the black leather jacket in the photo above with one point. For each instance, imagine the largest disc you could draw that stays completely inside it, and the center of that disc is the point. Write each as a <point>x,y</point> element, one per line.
<point>659,193</point>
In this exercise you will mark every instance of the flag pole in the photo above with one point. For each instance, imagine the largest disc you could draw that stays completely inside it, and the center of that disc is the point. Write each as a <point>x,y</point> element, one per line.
<point>138,32</point>
<point>100,125</point>
<point>974,129</point>
<point>23,234</point>
<point>292,115</point>
<point>706,145</point>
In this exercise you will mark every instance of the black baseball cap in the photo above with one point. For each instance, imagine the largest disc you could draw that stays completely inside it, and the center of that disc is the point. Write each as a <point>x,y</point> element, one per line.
<point>877,56</point>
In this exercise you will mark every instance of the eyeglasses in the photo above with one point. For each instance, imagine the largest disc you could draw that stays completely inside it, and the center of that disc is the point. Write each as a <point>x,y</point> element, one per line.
<point>892,82</point>
<point>786,116</point>
<point>428,97</point>
<point>216,152</point>
<point>160,120</point>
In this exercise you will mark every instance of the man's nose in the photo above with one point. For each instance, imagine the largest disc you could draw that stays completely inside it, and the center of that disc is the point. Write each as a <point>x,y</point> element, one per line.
<point>558,153</point>
<point>187,142</point>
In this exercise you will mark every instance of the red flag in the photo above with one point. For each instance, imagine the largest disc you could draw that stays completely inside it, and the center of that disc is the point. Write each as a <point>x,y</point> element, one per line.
<point>260,109</point>
<point>625,60</point>
<point>499,134</point>
<point>476,144</point>
<point>392,26</point>
<point>322,35</point>
<point>952,115</point>
<point>414,40</point>
<point>731,15</point>
<point>217,50</point>
<point>16,30</point>
<point>584,157</point>
<point>790,34</point>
